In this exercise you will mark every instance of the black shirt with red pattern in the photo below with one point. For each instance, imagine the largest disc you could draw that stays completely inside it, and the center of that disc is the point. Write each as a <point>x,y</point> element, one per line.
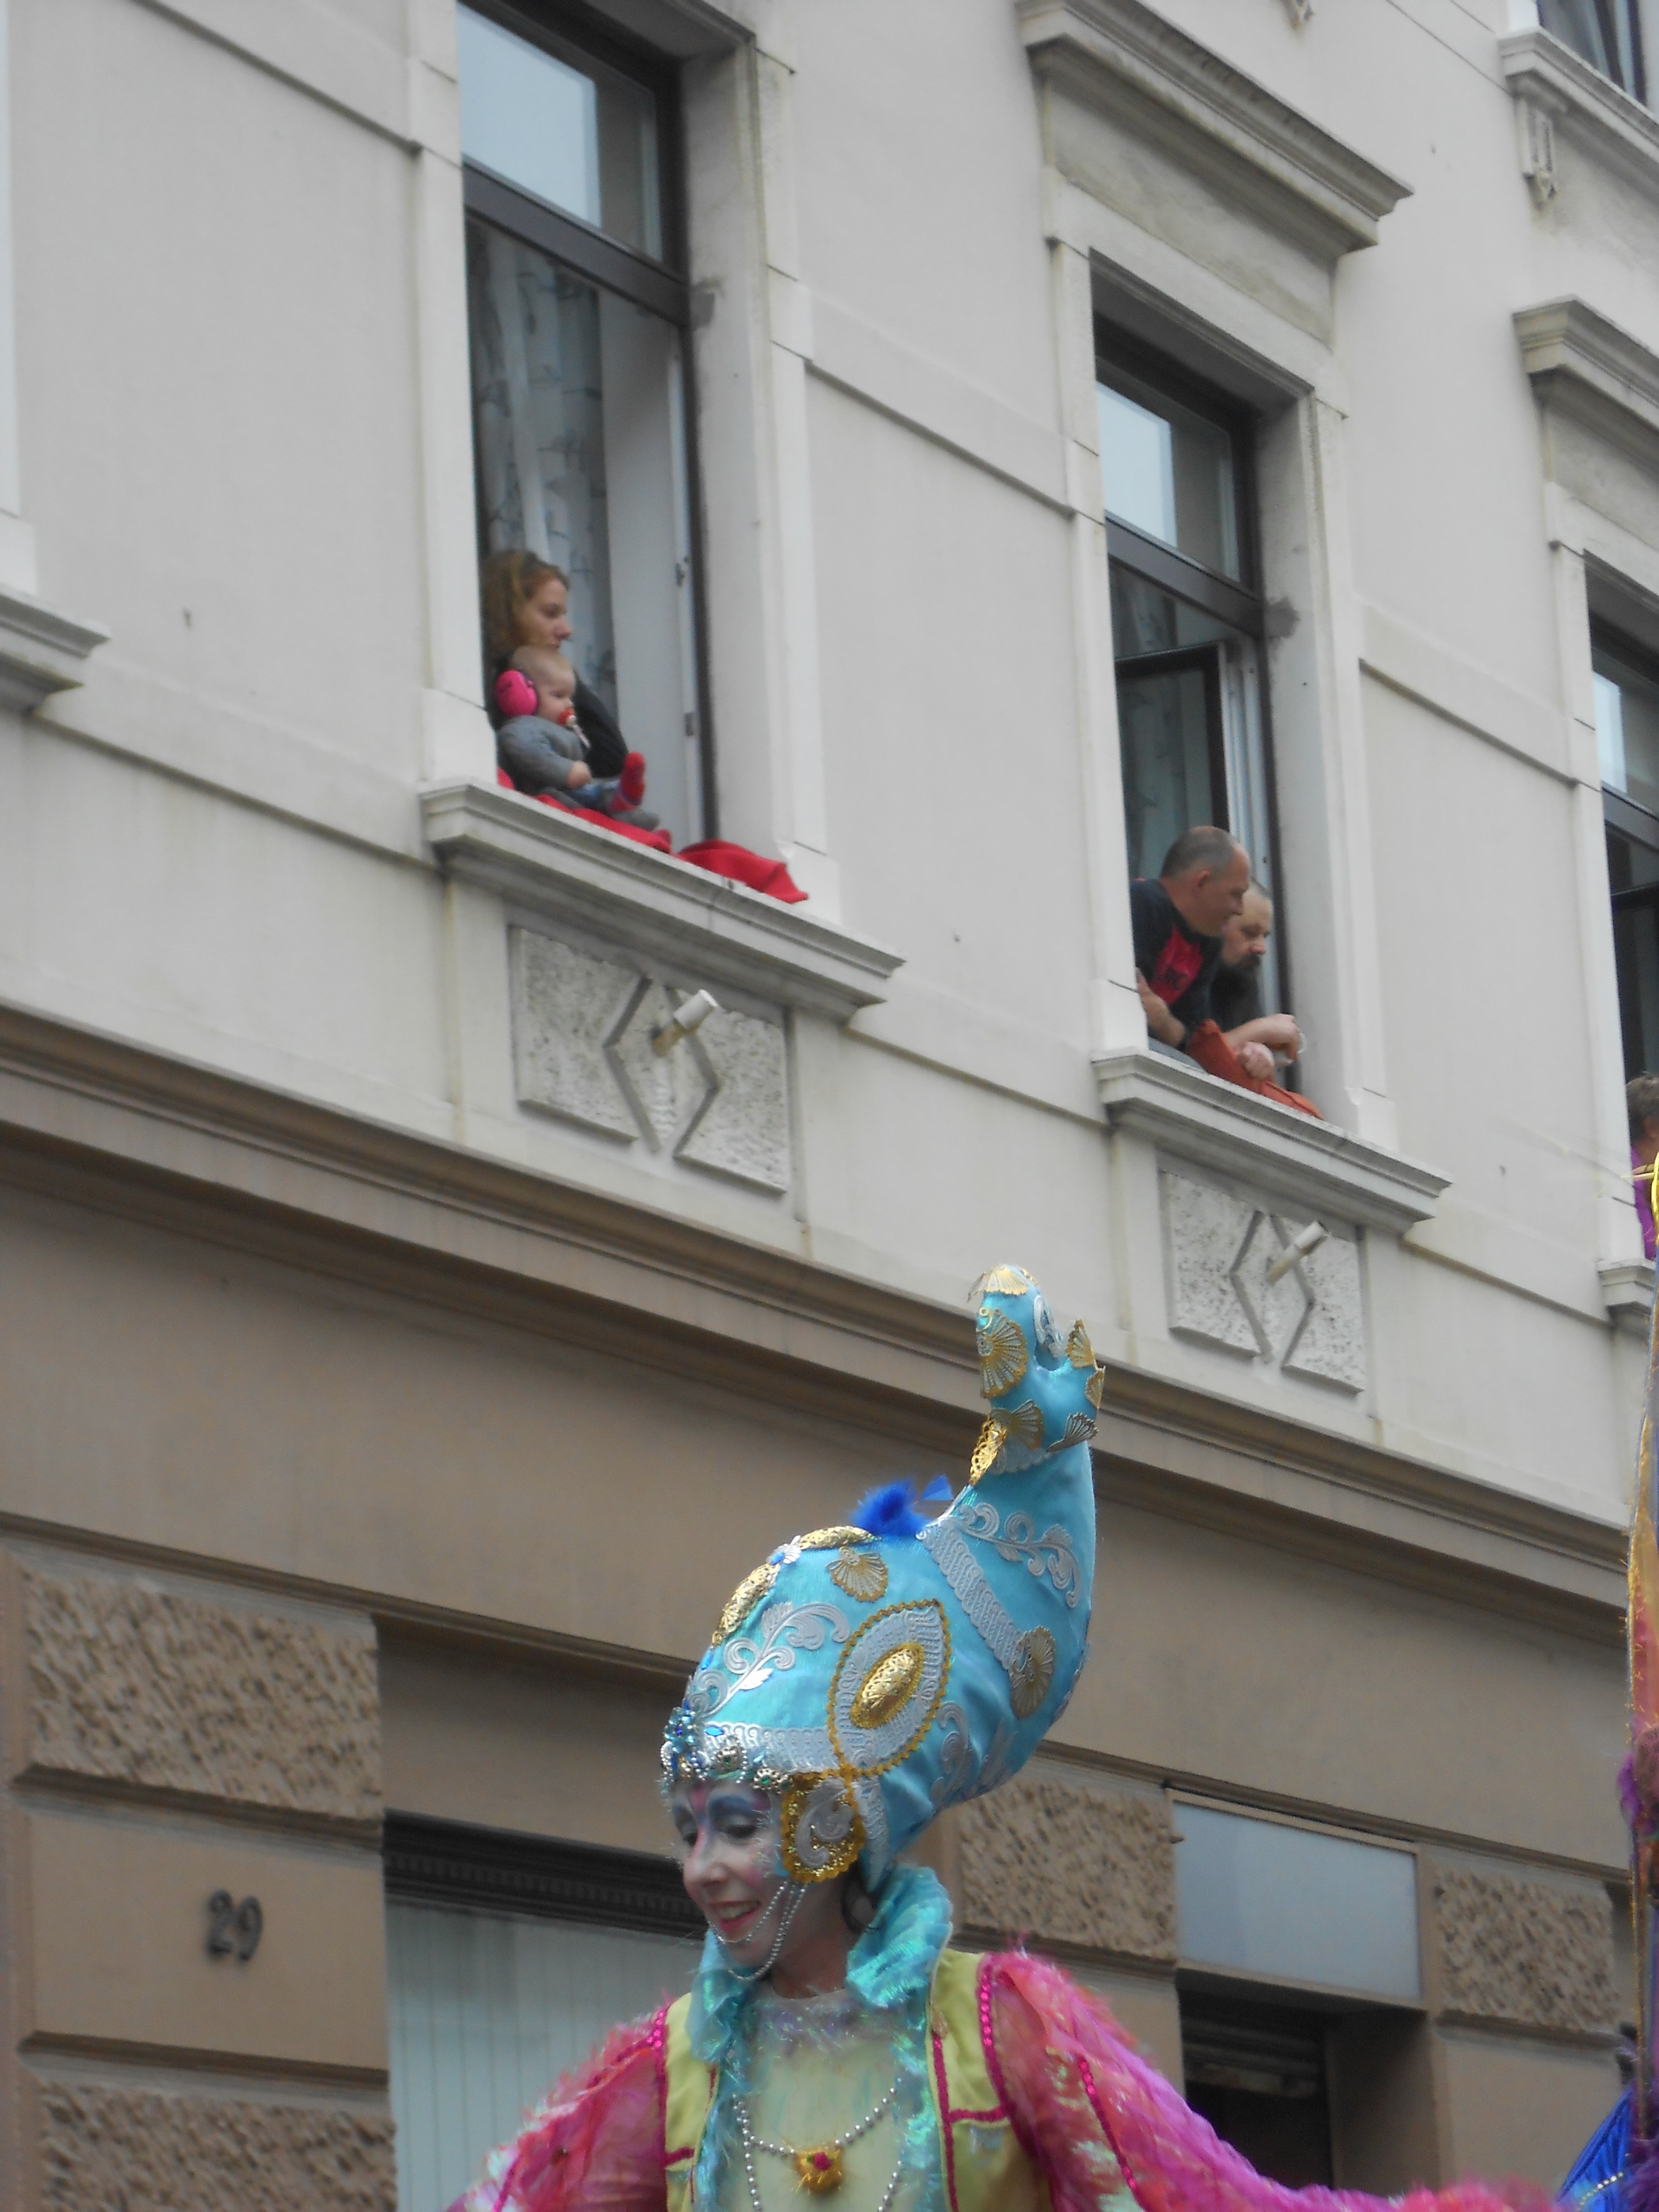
<point>1176,960</point>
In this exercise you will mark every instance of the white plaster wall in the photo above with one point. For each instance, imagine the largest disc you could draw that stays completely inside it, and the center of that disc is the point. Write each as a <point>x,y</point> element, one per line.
<point>227,417</point>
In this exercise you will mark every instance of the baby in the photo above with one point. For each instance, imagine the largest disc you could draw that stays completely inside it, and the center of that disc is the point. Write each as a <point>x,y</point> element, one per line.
<point>541,744</point>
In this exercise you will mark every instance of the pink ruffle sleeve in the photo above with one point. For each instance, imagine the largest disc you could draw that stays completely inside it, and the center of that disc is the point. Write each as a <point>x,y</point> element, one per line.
<point>595,2141</point>
<point>1094,2118</point>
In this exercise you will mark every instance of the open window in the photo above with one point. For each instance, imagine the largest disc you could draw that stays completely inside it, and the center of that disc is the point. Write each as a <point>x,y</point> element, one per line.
<point>578,314</point>
<point>1176,462</point>
<point>1627,737</point>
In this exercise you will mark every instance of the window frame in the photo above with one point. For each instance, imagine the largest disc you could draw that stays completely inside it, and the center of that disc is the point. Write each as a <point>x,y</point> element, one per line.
<point>427,1860</point>
<point>1612,15</point>
<point>1626,817</point>
<point>1241,603</point>
<point>662,288</point>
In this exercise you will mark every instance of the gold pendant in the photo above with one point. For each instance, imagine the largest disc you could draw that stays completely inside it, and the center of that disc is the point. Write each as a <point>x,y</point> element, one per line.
<point>819,2170</point>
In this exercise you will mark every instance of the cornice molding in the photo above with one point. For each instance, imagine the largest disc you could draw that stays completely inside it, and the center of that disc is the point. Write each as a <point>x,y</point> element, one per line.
<point>1274,1148</point>
<point>1587,368</point>
<point>1587,106</point>
<point>101,1123</point>
<point>41,650</point>
<point>680,918</point>
<point>1121,57</point>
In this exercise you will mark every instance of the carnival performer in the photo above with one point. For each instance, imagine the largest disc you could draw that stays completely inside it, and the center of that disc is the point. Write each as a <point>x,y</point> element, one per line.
<point>862,1679</point>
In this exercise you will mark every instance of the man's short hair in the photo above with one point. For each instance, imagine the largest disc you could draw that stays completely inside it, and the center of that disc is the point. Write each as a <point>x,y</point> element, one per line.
<point>1205,847</point>
<point>1642,1103</point>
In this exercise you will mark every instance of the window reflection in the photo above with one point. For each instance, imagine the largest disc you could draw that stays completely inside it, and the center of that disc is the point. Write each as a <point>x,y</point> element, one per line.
<point>1627,729</point>
<point>1603,33</point>
<point>1169,473</point>
<point>562,126</point>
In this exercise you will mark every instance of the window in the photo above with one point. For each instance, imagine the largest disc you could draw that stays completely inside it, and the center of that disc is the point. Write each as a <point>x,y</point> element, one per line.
<point>508,1959</point>
<point>1257,2073</point>
<point>578,313</point>
<point>1627,736</point>
<point>1188,620</point>
<point>1606,33</point>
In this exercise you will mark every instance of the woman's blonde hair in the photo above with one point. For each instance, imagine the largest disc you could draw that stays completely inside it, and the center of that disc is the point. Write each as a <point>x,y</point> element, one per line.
<point>507,582</point>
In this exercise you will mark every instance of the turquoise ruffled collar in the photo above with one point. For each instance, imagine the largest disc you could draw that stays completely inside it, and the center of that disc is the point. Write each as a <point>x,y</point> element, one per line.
<point>891,1963</point>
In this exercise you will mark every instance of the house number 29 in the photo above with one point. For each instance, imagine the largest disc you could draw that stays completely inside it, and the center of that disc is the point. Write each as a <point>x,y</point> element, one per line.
<point>233,1929</point>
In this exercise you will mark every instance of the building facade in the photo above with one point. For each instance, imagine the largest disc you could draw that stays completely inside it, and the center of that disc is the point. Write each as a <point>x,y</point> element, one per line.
<point>980,438</point>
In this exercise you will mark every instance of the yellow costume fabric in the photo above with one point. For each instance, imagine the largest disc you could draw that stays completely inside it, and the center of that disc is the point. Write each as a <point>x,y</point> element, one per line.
<point>982,2166</point>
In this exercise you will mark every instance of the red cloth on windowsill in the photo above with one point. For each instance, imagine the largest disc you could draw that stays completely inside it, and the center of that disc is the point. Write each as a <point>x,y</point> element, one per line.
<point>713,853</point>
<point>1216,1056</point>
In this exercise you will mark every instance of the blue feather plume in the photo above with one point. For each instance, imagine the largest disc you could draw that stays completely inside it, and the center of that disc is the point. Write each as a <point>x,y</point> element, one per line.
<point>891,1509</point>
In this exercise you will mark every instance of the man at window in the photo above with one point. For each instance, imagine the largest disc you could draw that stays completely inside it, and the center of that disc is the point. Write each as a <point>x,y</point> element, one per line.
<point>1236,992</point>
<point>1178,925</point>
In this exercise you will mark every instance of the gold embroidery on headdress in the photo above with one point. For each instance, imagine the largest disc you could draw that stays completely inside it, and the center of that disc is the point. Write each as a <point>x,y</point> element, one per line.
<point>1079,1350</point>
<point>823,1833</point>
<point>992,1437</point>
<point>1001,1349</point>
<point>831,1540</point>
<point>1033,1674</point>
<point>1007,1282</point>
<point>1025,1424</point>
<point>889,1686</point>
<point>743,1601</point>
<point>1095,1388</point>
<point>862,1575</point>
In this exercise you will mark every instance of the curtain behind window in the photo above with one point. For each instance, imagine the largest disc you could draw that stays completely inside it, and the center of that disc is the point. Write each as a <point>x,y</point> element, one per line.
<point>487,2010</point>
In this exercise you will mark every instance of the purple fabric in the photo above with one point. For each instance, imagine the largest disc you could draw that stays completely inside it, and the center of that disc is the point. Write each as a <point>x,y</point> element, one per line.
<point>1641,1184</point>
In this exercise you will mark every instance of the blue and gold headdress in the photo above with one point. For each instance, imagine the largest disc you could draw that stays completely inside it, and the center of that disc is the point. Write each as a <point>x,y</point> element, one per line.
<point>876,1674</point>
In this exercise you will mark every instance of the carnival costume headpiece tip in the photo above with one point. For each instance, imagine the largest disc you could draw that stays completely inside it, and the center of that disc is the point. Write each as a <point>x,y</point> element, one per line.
<point>877,1671</point>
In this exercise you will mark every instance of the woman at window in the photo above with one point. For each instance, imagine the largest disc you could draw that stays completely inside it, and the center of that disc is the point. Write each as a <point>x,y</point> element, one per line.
<point>860,1680</point>
<point>527,601</point>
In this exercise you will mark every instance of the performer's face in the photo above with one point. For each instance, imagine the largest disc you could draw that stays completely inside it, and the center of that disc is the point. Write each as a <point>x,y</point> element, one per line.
<point>734,1872</point>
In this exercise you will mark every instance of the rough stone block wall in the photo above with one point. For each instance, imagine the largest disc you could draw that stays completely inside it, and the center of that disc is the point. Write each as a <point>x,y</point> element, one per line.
<point>147,2151</point>
<point>132,1684</point>
<point>1063,1862</point>
<point>1531,1954</point>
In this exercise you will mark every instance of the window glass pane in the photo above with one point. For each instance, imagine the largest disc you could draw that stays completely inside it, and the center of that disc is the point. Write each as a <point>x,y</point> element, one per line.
<point>1627,728</point>
<point>1601,30</point>
<point>580,442</point>
<point>486,2011</point>
<point>1147,620</point>
<point>1167,735</point>
<point>1168,473</point>
<point>574,133</point>
<point>1294,1906</point>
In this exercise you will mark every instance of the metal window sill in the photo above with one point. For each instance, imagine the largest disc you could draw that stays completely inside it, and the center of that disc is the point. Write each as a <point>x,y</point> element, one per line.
<point>1313,1166</point>
<point>679,917</point>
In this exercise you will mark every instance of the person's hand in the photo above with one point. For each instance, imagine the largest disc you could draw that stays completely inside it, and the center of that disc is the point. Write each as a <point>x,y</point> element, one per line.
<point>580,778</point>
<point>1160,1021</point>
<point>1279,1032</point>
<point>1256,1060</point>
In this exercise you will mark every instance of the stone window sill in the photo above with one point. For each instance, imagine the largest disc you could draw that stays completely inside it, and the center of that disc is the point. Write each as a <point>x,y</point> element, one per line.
<point>1313,1166</point>
<point>41,650</point>
<point>678,917</point>
<point>1627,1293</point>
<point>1606,122</point>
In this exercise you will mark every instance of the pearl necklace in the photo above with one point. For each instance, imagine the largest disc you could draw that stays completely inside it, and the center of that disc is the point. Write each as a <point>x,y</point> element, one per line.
<point>818,2170</point>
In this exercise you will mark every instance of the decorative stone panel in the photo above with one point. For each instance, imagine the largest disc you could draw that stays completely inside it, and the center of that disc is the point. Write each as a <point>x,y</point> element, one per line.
<point>582,1029</point>
<point>131,1683</point>
<point>1535,1954</point>
<point>1220,1248</point>
<point>1050,1858</point>
<point>150,2152</point>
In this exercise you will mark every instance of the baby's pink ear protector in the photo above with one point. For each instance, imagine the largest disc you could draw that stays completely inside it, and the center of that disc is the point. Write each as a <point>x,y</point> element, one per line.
<point>514,693</point>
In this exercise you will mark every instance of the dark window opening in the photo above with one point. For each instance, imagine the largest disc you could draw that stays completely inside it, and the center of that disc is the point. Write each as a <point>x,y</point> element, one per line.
<point>1257,2073</point>
<point>1188,624</point>
<point>1626,684</point>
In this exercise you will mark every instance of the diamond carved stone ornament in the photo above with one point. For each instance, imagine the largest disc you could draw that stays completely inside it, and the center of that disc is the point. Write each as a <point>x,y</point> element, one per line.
<point>1220,1250</point>
<point>582,1031</point>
